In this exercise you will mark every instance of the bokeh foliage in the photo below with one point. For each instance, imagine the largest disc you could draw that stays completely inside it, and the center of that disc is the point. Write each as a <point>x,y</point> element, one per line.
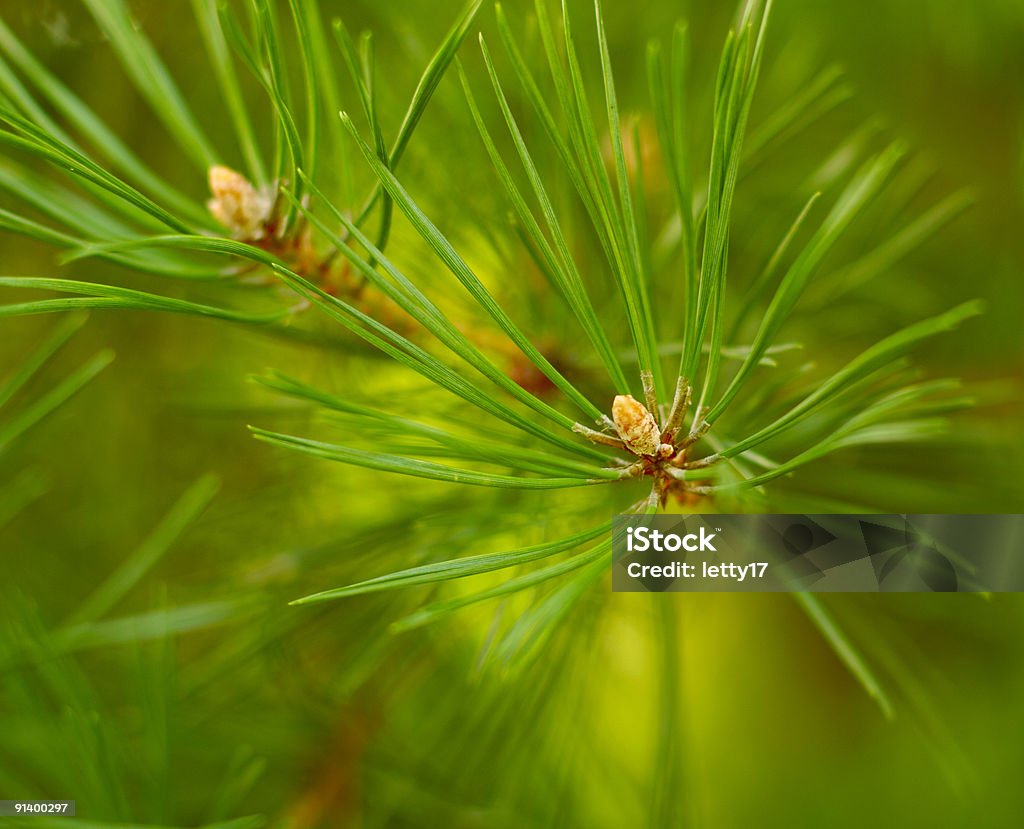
<point>199,696</point>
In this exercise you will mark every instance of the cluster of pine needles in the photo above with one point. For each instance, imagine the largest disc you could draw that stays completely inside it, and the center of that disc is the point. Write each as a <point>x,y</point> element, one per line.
<point>663,377</point>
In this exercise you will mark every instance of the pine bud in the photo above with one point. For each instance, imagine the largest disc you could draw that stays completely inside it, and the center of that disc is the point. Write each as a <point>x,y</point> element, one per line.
<point>238,205</point>
<point>636,426</point>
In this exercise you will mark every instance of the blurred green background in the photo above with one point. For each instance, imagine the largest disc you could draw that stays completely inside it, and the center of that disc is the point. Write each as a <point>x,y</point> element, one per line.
<point>322,718</point>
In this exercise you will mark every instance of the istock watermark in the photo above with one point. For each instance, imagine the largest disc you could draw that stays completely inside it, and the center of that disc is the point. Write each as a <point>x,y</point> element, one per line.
<point>821,553</point>
<point>642,539</point>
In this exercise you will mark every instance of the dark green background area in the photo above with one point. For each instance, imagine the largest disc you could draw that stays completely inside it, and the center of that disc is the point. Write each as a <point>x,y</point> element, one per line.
<point>776,730</point>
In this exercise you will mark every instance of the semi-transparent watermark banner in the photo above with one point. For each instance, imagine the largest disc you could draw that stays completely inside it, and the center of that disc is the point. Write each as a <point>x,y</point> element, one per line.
<point>820,553</point>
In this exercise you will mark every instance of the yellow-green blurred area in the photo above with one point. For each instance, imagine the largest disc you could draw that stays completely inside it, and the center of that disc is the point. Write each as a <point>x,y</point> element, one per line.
<point>201,696</point>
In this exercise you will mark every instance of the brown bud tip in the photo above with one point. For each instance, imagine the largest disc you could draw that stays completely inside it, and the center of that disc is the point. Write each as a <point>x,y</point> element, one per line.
<point>236,204</point>
<point>635,425</point>
<point>225,182</point>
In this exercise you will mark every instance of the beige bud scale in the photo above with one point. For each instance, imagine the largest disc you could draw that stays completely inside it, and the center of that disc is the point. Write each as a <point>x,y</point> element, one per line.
<point>238,205</point>
<point>638,428</point>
